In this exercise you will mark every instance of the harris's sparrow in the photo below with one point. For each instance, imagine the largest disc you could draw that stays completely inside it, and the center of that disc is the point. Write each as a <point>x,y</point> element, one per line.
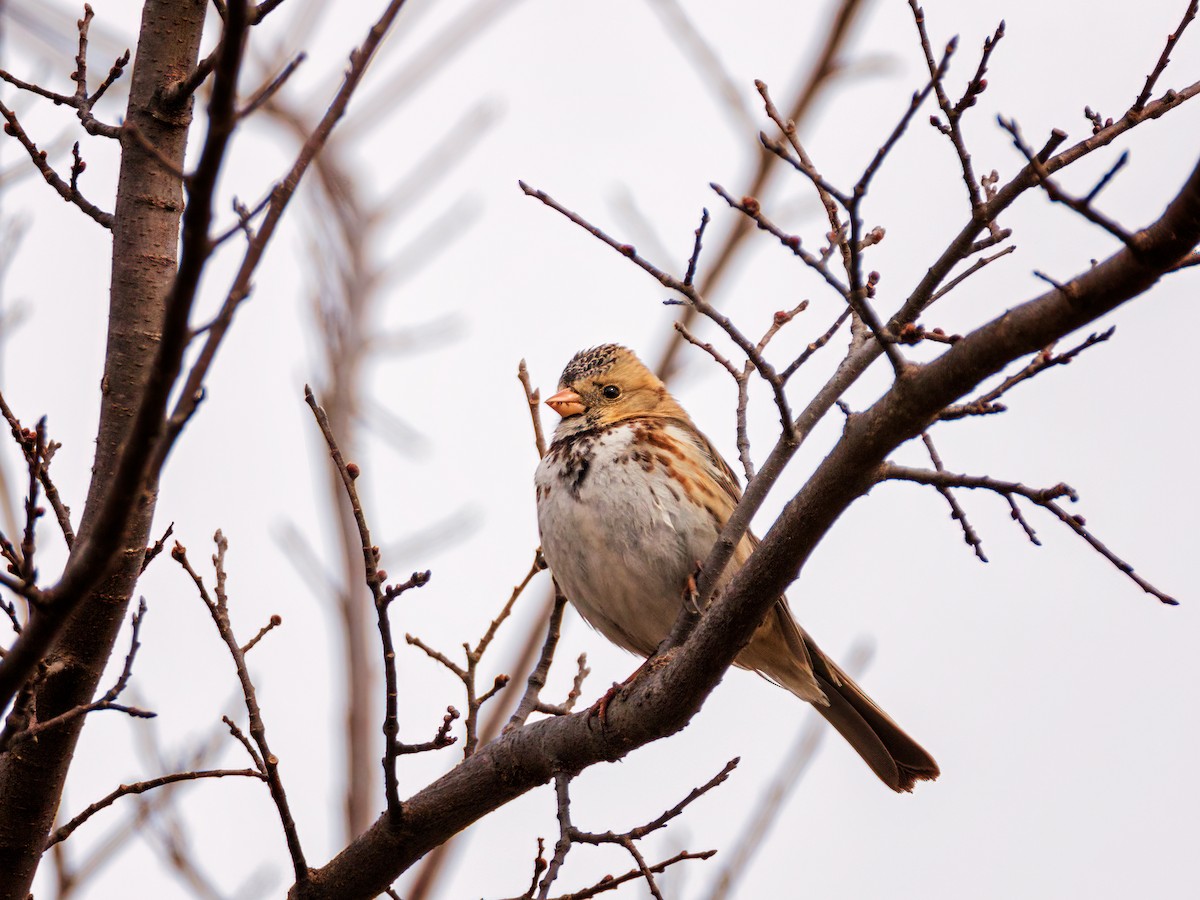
<point>630,496</point>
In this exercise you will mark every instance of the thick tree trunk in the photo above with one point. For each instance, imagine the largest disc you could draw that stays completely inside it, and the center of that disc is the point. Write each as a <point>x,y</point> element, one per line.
<point>145,248</point>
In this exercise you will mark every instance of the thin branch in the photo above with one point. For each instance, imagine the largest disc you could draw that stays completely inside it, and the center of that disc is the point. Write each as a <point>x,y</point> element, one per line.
<point>568,705</point>
<point>1077,524</point>
<point>986,404</point>
<point>269,762</point>
<point>141,787</point>
<point>467,675</point>
<point>537,678</point>
<point>443,738</point>
<point>837,232</point>
<point>534,398</point>
<point>65,189</point>
<point>1081,206</point>
<point>825,66</point>
<point>272,623</point>
<point>817,344</point>
<point>750,207</point>
<point>954,111</point>
<point>694,298</point>
<point>570,835</point>
<point>1043,497</point>
<point>281,195</point>
<point>970,535</point>
<point>382,595</point>
<point>1165,57</point>
<point>153,551</point>
<point>975,267</point>
<point>12,736</point>
<point>28,572</point>
<point>268,90</point>
<point>79,100</point>
<point>240,736</point>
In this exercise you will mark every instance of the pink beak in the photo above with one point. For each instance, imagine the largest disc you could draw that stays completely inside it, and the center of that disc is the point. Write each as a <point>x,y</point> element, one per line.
<point>566,403</point>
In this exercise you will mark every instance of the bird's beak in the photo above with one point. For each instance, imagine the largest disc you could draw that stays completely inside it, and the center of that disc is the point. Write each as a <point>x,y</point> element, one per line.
<point>566,403</point>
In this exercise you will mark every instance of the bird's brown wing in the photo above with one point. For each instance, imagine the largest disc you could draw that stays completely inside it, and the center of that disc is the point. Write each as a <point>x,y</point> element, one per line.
<point>783,652</point>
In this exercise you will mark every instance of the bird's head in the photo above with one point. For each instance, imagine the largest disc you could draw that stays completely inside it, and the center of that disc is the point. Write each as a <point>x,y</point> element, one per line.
<point>609,384</point>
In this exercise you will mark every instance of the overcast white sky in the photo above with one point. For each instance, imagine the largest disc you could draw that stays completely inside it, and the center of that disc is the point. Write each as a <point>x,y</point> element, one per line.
<point>1059,699</point>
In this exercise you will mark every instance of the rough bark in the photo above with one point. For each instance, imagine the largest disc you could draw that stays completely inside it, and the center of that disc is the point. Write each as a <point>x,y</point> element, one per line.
<point>145,242</point>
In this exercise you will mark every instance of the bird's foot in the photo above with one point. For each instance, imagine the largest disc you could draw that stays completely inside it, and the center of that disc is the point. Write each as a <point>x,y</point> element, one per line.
<point>691,593</point>
<point>600,707</point>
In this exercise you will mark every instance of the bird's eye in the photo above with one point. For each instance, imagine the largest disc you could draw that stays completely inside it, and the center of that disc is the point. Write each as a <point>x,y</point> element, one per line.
<point>611,391</point>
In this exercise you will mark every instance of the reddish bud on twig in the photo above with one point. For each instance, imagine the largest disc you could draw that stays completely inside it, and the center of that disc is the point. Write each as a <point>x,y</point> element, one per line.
<point>353,470</point>
<point>381,576</point>
<point>628,249</point>
<point>276,621</point>
<point>178,552</point>
<point>751,205</point>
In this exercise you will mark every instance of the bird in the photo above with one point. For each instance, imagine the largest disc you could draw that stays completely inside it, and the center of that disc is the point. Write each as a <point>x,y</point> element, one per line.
<point>631,497</point>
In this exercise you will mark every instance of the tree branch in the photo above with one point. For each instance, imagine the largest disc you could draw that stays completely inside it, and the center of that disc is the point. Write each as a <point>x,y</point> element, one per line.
<point>662,701</point>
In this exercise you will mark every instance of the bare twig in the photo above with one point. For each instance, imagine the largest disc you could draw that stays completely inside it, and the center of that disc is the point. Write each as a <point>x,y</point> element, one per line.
<point>837,232</point>
<point>952,111</point>
<point>467,675</point>
<point>750,207</point>
<point>825,66</point>
<point>141,787</point>
<point>537,677</point>
<point>694,298</point>
<point>269,89</point>
<point>817,344</point>
<point>570,835</point>
<point>1043,497</point>
<point>383,596</point>
<point>272,623</point>
<point>986,404</point>
<point>975,267</point>
<point>1081,206</point>
<point>970,535</point>
<point>80,100</point>
<point>67,190</point>
<point>12,736</point>
<point>1172,39</point>
<point>568,705</point>
<point>27,571</point>
<point>268,762</point>
<point>154,551</point>
<point>1077,524</point>
<point>534,398</point>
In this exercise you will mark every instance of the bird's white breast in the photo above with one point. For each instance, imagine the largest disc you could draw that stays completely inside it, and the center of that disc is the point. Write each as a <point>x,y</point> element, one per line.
<point>620,532</point>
